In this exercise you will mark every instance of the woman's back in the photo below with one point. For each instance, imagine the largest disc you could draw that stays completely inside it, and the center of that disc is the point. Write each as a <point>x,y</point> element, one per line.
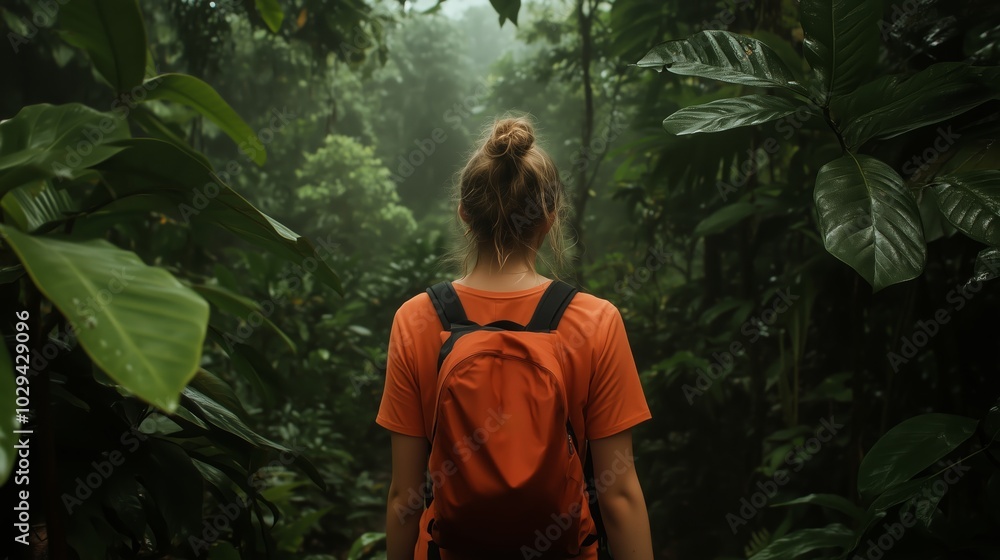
<point>602,385</point>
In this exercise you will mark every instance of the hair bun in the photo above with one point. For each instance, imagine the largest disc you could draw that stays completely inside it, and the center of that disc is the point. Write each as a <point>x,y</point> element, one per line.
<point>510,137</point>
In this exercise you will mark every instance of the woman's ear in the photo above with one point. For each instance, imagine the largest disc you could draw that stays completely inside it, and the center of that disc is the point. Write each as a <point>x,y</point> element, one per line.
<point>462,214</point>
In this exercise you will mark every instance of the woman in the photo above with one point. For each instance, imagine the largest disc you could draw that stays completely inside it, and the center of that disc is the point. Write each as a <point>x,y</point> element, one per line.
<point>509,200</point>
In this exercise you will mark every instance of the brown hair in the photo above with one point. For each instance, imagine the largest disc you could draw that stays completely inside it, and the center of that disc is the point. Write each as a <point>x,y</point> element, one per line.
<point>510,189</point>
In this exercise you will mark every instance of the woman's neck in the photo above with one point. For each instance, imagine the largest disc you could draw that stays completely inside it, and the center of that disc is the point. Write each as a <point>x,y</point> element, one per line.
<point>514,275</point>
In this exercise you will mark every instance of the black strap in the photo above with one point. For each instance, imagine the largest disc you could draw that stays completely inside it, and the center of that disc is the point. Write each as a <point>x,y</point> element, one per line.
<point>433,550</point>
<point>550,308</point>
<point>446,303</point>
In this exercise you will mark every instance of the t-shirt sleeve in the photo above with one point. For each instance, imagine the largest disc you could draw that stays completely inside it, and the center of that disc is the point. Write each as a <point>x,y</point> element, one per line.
<point>615,402</point>
<point>400,410</point>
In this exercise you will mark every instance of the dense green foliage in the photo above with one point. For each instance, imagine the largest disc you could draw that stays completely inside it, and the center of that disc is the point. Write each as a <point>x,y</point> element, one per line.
<point>796,214</point>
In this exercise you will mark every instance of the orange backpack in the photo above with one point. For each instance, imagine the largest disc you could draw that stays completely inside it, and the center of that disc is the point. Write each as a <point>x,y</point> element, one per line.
<point>506,474</point>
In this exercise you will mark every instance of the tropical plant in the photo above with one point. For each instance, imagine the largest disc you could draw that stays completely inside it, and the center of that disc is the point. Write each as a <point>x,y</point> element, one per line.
<point>868,216</point>
<point>107,238</point>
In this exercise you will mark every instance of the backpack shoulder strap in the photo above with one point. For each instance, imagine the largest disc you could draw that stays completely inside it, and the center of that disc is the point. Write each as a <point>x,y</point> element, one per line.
<point>550,308</point>
<point>446,303</point>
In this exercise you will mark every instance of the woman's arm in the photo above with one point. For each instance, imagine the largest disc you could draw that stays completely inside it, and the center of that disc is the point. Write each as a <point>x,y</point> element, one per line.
<point>622,506</point>
<point>405,503</point>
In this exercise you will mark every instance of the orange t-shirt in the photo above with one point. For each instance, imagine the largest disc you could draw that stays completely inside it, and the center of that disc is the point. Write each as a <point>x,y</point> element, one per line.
<point>602,385</point>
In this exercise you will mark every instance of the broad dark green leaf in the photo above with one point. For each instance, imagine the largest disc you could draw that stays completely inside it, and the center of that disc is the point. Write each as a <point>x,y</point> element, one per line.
<point>987,264</point>
<point>831,501</point>
<point>46,141</point>
<point>196,94</point>
<point>869,221</point>
<point>507,10</point>
<point>136,322</point>
<point>971,202</point>
<point>7,419</point>
<point>112,33</point>
<point>270,11</point>
<point>799,543</point>
<point>841,42</point>
<point>725,114</point>
<point>891,105</point>
<point>155,166</point>
<point>910,447</point>
<point>35,205</point>
<point>724,56</point>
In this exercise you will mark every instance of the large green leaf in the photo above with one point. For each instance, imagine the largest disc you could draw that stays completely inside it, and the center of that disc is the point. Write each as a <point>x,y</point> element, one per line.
<point>910,447</point>
<point>841,41</point>
<point>891,105</point>
<point>112,33</point>
<point>797,544</point>
<point>724,56</point>
<point>45,141</point>
<point>725,114</point>
<point>971,202</point>
<point>192,92</point>
<point>35,205</point>
<point>137,322</point>
<point>270,11</point>
<point>507,9</point>
<point>155,166</point>
<point>869,221</point>
<point>7,419</point>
